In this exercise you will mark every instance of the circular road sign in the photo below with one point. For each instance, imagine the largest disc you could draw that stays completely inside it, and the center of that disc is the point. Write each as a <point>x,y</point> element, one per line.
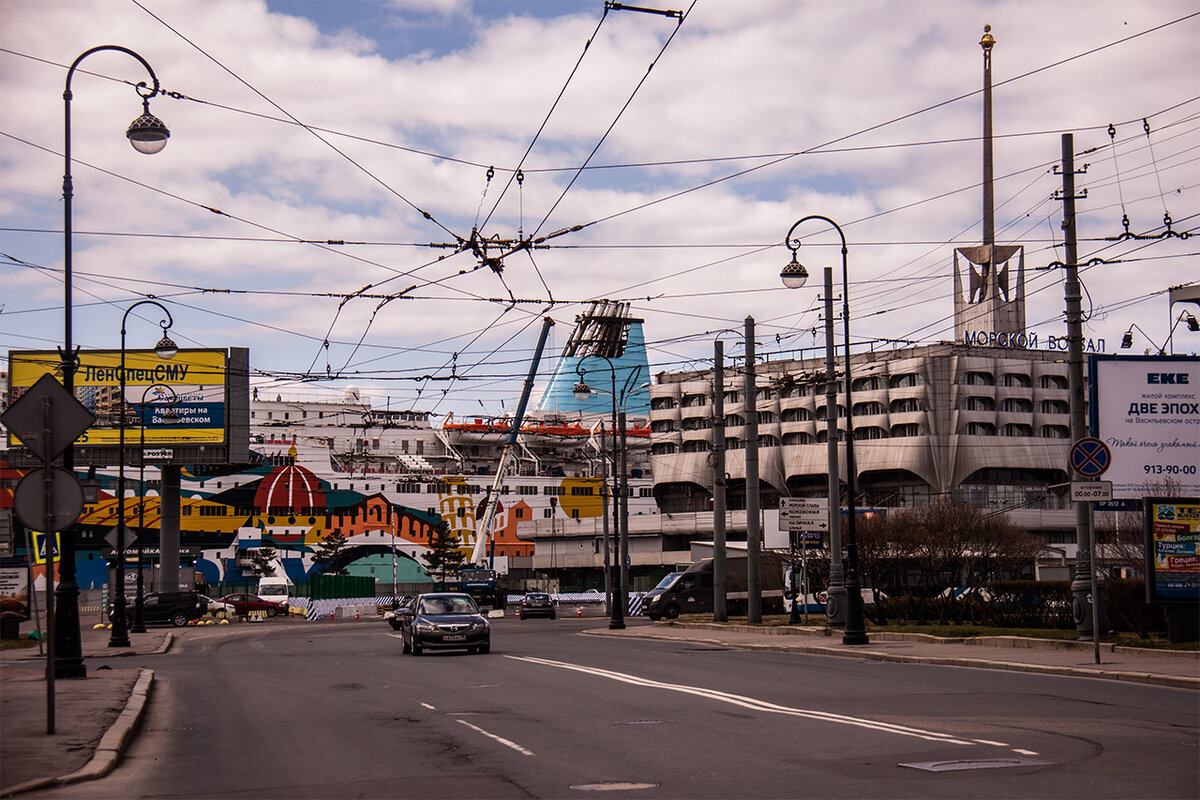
<point>66,496</point>
<point>1090,457</point>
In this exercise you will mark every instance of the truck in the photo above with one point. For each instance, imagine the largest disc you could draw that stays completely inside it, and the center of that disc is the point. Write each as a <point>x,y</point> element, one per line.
<point>485,585</point>
<point>691,591</point>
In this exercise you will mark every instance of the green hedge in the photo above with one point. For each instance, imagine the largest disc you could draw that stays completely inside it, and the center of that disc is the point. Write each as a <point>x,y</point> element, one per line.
<point>333,587</point>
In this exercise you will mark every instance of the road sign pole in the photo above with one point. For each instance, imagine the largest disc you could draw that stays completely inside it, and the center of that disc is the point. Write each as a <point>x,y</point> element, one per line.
<point>48,527</point>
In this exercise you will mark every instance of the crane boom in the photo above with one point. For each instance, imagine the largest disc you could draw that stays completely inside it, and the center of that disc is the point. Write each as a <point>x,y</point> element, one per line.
<point>483,530</point>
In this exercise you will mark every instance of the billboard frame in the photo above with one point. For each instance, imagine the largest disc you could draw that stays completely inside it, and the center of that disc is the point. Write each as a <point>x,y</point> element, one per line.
<point>234,444</point>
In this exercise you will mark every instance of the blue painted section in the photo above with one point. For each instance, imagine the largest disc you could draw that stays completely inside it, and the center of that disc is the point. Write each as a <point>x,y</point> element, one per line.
<point>631,370</point>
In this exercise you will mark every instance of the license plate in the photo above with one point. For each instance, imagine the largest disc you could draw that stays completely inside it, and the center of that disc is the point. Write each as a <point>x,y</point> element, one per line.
<point>454,637</point>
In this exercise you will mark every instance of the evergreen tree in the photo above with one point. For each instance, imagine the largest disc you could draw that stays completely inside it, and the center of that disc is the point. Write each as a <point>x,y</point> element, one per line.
<point>444,556</point>
<point>262,558</point>
<point>327,554</point>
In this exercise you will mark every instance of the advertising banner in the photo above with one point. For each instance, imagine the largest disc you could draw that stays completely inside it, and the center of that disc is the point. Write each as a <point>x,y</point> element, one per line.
<point>1147,410</point>
<point>1172,528</point>
<point>170,402</point>
<point>14,593</point>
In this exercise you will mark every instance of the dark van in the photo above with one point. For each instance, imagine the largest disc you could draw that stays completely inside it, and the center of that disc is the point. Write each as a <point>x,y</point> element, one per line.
<point>691,591</point>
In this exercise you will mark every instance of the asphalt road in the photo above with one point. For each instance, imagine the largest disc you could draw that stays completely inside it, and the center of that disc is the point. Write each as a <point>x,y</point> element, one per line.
<point>304,710</point>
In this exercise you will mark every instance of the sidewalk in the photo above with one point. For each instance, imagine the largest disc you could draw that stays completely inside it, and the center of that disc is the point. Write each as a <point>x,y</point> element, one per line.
<point>94,718</point>
<point>1179,669</point>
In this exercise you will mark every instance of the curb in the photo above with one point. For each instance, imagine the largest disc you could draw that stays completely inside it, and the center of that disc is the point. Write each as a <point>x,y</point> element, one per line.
<point>1148,678</point>
<point>112,744</point>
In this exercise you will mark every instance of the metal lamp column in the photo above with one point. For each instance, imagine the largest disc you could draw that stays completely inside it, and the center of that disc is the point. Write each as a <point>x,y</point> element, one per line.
<point>148,135</point>
<point>165,349</point>
<point>794,275</point>
<point>581,392</point>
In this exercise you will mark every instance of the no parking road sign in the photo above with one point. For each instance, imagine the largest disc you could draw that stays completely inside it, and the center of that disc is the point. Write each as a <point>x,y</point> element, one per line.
<point>1090,457</point>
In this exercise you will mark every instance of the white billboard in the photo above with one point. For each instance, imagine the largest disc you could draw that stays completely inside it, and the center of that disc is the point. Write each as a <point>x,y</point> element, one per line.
<point>1147,410</point>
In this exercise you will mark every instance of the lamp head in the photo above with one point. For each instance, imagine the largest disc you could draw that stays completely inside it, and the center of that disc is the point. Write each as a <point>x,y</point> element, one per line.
<point>582,391</point>
<point>166,349</point>
<point>147,133</point>
<point>1127,340</point>
<point>794,274</point>
<point>1193,323</point>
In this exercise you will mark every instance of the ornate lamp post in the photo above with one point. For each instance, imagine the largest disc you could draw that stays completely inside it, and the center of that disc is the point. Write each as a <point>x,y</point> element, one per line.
<point>794,276</point>
<point>148,135</point>
<point>165,349</point>
<point>167,399</point>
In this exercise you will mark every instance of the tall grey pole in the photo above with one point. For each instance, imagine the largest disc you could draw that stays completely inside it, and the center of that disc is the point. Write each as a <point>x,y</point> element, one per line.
<point>720,608</point>
<point>835,608</point>
<point>1090,618</point>
<point>623,502</point>
<point>168,528</point>
<point>753,532</point>
<point>604,516</point>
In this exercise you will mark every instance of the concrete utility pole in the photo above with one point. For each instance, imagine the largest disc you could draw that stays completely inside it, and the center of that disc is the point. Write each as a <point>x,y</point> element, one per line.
<point>753,533</point>
<point>720,610</point>
<point>1090,618</point>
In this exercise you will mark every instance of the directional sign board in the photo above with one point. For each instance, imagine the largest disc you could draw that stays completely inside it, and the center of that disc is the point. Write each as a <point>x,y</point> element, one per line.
<point>804,513</point>
<point>1090,457</point>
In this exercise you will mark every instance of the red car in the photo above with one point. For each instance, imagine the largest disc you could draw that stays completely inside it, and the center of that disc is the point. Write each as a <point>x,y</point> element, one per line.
<point>243,604</point>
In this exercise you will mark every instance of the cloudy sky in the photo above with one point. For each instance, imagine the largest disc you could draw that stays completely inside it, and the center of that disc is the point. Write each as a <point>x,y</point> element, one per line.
<point>656,159</point>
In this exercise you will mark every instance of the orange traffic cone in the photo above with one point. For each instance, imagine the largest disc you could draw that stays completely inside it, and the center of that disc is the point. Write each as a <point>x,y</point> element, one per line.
<point>579,611</point>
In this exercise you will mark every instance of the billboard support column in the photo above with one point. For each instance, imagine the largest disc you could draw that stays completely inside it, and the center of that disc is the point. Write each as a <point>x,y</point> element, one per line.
<point>168,529</point>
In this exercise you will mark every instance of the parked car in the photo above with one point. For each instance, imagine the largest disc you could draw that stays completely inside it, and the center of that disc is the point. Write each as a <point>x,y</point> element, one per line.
<point>393,617</point>
<point>536,604</point>
<point>243,604</point>
<point>215,606</point>
<point>444,620</point>
<point>175,608</point>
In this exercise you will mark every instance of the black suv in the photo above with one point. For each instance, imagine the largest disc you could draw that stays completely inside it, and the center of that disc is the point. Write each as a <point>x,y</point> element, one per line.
<point>176,608</point>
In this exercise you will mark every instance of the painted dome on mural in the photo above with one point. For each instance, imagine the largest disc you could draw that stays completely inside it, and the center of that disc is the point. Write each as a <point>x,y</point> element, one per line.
<point>291,486</point>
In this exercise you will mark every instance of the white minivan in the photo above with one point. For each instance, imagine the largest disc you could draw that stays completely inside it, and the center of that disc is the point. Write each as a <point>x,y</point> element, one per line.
<point>276,590</point>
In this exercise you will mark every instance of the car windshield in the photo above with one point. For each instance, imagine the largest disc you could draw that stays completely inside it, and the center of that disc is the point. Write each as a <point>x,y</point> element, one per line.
<point>537,598</point>
<point>667,581</point>
<point>273,591</point>
<point>447,605</point>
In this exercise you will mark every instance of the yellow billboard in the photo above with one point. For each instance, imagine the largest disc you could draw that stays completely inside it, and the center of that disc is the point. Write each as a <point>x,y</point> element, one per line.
<point>177,401</point>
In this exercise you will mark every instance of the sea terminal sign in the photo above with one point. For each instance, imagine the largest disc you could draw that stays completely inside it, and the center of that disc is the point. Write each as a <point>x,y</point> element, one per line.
<point>804,513</point>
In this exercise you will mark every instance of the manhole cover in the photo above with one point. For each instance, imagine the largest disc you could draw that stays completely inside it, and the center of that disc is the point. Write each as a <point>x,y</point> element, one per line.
<point>612,786</point>
<point>976,763</point>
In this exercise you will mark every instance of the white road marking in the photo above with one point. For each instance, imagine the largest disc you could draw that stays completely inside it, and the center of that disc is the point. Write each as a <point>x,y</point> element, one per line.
<point>431,708</point>
<point>500,739</point>
<point>989,741</point>
<point>752,703</point>
<point>1025,752</point>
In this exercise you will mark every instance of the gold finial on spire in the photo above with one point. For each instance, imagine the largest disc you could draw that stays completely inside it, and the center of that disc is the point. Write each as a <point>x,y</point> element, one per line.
<point>988,40</point>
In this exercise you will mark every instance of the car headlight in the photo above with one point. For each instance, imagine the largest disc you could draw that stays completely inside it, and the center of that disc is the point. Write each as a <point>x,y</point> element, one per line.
<point>425,627</point>
<point>480,625</point>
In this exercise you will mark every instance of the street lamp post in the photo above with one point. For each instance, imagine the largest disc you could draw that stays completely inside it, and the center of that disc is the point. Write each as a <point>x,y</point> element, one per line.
<point>794,275</point>
<point>582,391</point>
<point>148,135</point>
<point>139,617</point>
<point>165,349</point>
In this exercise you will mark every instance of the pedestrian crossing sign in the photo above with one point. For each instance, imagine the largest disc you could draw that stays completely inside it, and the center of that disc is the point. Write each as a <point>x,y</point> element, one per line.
<point>41,542</point>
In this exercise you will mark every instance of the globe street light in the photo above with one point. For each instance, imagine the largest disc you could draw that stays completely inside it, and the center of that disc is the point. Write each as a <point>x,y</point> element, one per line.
<point>794,276</point>
<point>166,398</point>
<point>148,135</point>
<point>165,349</point>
